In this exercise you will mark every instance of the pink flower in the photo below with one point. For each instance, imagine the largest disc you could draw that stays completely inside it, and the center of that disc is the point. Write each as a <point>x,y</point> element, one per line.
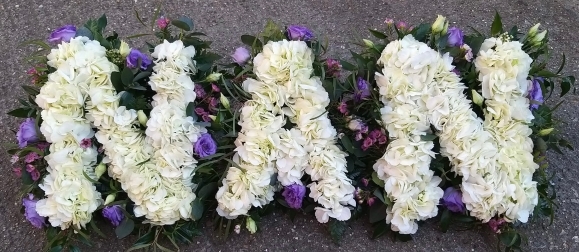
<point>401,25</point>
<point>371,201</point>
<point>86,143</point>
<point>30,157</point>
<point>375,134</point>
<point>30,168</point>
<point>206,118</point>
<point>17,171</point>
<point>368,142</point>
<point>215,88</point>
<point>382,140</point>
<point>496,224</point>
<point>200,111</point>
<point>162,22</point>
<point>200,92</point>
<point>365,181</point>
<point>343,108</point>
<point>35,174</point>
<point>43,145</point>
<point>389,21</point>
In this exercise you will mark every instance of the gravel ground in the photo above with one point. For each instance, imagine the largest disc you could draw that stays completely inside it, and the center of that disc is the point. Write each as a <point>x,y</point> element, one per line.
<point>341,21</point>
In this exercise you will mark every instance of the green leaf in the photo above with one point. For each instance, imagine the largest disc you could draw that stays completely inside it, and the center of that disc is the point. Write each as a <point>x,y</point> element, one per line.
<point>117,81</point>
<point>377,180</point>
<point>445,220</point>
<point>347,143</point>
<point>190,110</point>
<point>26,178</point>
<point>146,239</point>
<point>378,193</point>
<point>56,249</point>
<point>140,246</point>
<point>127,76</point>
<point>183,23</point>
<point>20,112</point>
<point>497,26</point>
<point>562,64</point>
<point>428,137</point>
<point>127,100</point>
<point>337,230</point>
<point>272,31</point>
<point>197,209</point>
<point>97,230</point>
<point>73,248</point>
<point>510,238</point>
<point>84,32</point>
<point>207,190</point>
<point>378,34</point>
<point>251,41</point>
<point>102,22</point>
<point>348,66</point>
<point>377,213</point>
<point>546,74</point>
<point>125,228</point>
<point>421,32</point>
<point>404,237</point>
<point>380,229</point>
<point>31,90</point>
<point>541,145</point>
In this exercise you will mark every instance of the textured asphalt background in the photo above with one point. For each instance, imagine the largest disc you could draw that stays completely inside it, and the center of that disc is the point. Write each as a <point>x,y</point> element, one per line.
<point>341,21</point>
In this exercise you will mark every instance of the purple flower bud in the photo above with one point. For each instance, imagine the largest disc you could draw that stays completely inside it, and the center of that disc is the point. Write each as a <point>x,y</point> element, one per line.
<point>133,59</point>
<point>356,125</point>
<point>27,133</point>
<point>162,22</point>
<point>455,37</point>
<point>375,134</point>
<point>362,90</point>
<point>401,25</point>
<point>30,212</point>
<point>206,118</point>
<point>62,34</point>
<point>296,32</point>
<point>536,94</point>
<point>241,56</point>
<point>294,194</point>
<point>452,199</point>
<point>200,111</point>
<point>365,181</point>
<point>215,88</point>
<point>114,214</point>
<point>205,146</point>
<point>343,108</point>
<point>334,67</point>
<point>31,157</point>
<point>496,224</point>
<point>200,92</point>
<point>371,201</point>
<point>368,142</point>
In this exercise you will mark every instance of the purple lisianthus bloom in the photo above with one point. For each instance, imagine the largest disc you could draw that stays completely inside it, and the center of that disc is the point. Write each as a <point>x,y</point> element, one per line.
<point>536,94</point>
<point>362,89</point>
<point>455,37</point>
<point>334,67</point>
<point>296,32</point>
<point>200,92</point>
<point>27,133</point>
<point>114,214</point>
<point>294,194</point>
<point>452,199</point>
<point>133,59</point>
<point>205,146</point>
<point>241,55</point>
<point>62,34</point>
<point>30,212</point>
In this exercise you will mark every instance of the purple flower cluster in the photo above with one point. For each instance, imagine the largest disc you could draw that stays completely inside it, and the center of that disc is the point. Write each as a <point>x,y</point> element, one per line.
<point>133,59</point>
<point>62,34</point>
<point>27,133</point>
<point>205,146</point>
<point>207,102</point>
<point>30,212</point>
<point>163,22</point>
<point>333,68</point>
<point>452,200</point>
<point>362,90</point>
<point>294,194</point>
<point>536,94</point>
<point>296,32</point>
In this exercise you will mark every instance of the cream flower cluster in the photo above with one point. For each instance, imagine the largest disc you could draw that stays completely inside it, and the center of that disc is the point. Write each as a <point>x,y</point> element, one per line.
<point>503,70</point>
<point>406,83</point>
<point>71,197</point>
<point>285,88</point>
<point>161,194</point>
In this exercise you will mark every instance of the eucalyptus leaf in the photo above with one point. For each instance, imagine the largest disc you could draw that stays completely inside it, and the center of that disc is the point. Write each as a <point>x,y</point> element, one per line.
<point>125,228</point>
<point>127,76</point>
<point>251,41</point>
<point>207,190</point>
<point>197,209</point>
<point>445,220</point>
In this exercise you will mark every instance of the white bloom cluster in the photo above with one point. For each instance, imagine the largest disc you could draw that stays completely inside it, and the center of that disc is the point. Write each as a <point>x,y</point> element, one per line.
<point>505,186</point>
<point>406,83</point>
<point>285,88</point>
<point>71,198</point>
<point>161,193</point>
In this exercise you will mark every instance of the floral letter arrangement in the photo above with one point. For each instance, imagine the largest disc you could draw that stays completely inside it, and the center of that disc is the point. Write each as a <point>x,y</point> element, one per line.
<point>430,123</point>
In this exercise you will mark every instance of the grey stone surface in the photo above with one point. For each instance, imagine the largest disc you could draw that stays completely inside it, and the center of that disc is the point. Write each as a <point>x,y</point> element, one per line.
<point>341,21</point>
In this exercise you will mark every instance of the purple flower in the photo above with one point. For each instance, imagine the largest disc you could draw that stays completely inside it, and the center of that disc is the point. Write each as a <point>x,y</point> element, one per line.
<point>452,199</point>
<point>199,91</point>
<point>294,194</point>
<point>496,224</point>
<point>383,139</point>
<point>241,56</point>
<point>17,171</point>
<point>31,157</point>
<point>375,134</point>
<point>27,133</point>
<point>43,145</point>
<point>365,182</point>
<point>162,22</point>
<point>359,136</point>
<point>215,88</point>
<point>401,25</point>
<point>15,158</point>
<point>536,94</point>
<point>133,59</point>
<point>343,108</point>
<point>200,111</point>
<point>389,21</point>
<point>296,32</point>
<point>334,67</point>
<point>205,146</point>
<point>206,118</point>
<point>362,89</point>
<point>62,34</point>
<point>114,214</point>
<point>30,212</point>
<point>368,142</point>
<point>371,201</point>
<point>86,143</point>
<point>455,37</point>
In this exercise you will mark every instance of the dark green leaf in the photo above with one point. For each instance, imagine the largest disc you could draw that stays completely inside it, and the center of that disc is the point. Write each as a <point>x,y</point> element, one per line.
<point>497,26</point>
<point>84,32</point>
<point>421,31</point>
<point>348,66</point>
<point>378,193</point>
<point>197,209</point>
<point>562,64</point>
<point>190,110</point>
<point>141,75</point>
<point>377,180</point>
<point>97,230</point>
<point>251,41</point>
<point>31,90</point>
<point>127,100</point>
<point>377,34</point>
<point>26,178</point>
<point>428,137</point>
<point>380,229</point>
<point>207,191</point>
<point>546,74</point>
<point>337,230</point>
<point>183,23</point>
<point>20,112</point>
<point>125,228</point>
<point>445,220</point>
<point>404,237</point>
<point>541,145</point>
<point>377,213</point>
<point>146,239</point>
<point>73,248</point>
<point>510,238</point>
<point>117,81</point>
<point>56,249</point>
<point>102,22</point>
<point>347,143</point>
<point>140,246</point>
<point>127,76</point>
